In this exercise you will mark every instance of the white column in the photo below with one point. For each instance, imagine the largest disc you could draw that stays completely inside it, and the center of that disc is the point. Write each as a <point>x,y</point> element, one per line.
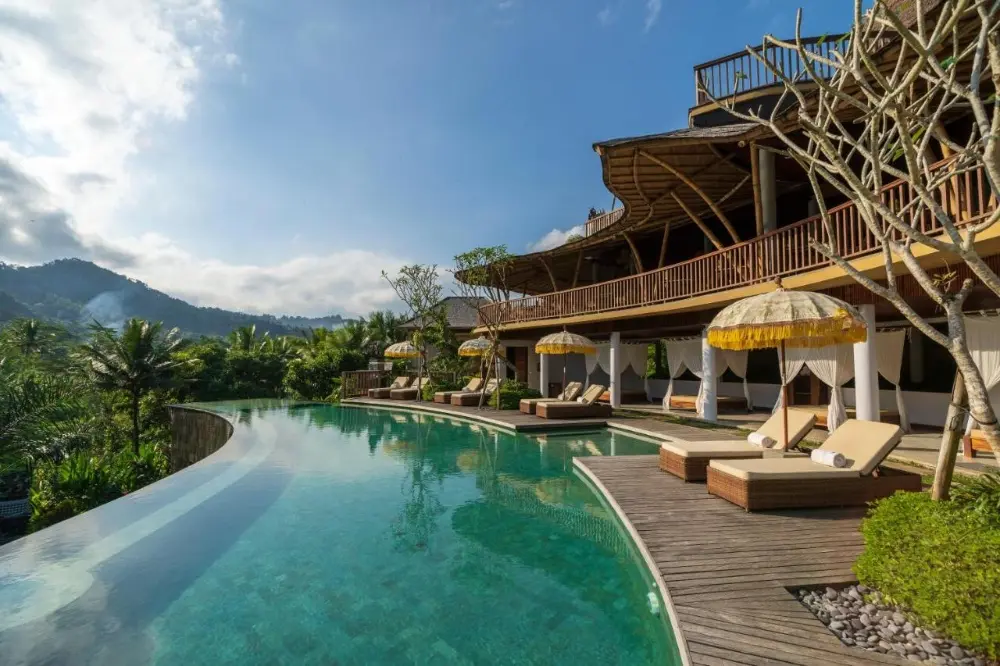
<point>916,356</point>
<point>543,374</point>
<point>616,370</point>
<point>710,409</point>
<point>768,190</point>
<point>866,371</point>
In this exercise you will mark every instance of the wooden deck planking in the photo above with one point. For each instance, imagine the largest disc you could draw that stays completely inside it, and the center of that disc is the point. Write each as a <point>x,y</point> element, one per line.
<point>507,419</point>
<point>728,572</point>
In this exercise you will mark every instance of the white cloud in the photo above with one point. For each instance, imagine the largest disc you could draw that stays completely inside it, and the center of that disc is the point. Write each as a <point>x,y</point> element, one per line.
<point>348,281</point>
<point>653,9</point>
<point>605,16</point>
<point>88,82</point>
<point>555,238</point>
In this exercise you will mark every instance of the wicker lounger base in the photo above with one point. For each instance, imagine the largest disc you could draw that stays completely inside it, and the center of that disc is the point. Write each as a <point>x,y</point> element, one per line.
<point>403,394</point>
<point>689,468</point>
<point>444,397</point>
<point>381,393</point>
<point>530,405</point>
<point>760,495</point>
<point>468,399</point>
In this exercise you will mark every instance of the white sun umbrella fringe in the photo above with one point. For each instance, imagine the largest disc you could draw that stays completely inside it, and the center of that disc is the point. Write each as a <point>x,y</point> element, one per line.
<point>563,343</point>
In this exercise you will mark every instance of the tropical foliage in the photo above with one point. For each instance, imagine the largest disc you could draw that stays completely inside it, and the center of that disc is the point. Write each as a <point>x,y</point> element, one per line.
<point>83,416</point>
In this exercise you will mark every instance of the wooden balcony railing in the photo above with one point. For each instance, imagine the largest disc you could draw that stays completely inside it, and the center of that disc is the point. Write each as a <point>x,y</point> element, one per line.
<point>780,253</point>
<point>356,383</point>
<point>740,72</point>
<point>602,222</point>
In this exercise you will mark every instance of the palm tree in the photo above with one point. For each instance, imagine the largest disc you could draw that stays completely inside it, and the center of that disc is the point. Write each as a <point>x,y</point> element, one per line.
<point>383,329</point>
<point>39,415</point>
<point>351,335</point>
<point>136,361</point>
<point>245,339</point>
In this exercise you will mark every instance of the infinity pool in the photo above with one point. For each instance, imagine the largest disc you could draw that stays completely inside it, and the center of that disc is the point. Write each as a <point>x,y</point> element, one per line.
<point>329,535</point>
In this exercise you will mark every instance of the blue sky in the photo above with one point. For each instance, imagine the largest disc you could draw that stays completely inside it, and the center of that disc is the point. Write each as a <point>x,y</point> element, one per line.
<point>277,156</point>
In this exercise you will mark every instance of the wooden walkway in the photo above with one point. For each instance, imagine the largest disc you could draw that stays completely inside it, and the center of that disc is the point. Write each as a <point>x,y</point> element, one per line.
<point>506,419</point>
<point>728,573</point>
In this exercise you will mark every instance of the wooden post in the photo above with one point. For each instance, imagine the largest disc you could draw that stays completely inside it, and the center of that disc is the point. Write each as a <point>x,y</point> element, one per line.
<point>758,207</point>
<point>663,244</point>
<point>784,403</point>
<point>701,193</point>
<point>950,439</point>
<point>576,273</point>
<point>697,220</point>
<point>552,278</point>
<point>635,251</point>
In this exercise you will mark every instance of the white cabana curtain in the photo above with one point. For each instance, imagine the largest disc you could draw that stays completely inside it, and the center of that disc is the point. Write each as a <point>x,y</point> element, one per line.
<point>679,354</point>
<point>889,355</point>
<point>637,356</point>
<point>789,366</point>
<point>737,362</point>
<point>983,337</point>
<point>834,366</point>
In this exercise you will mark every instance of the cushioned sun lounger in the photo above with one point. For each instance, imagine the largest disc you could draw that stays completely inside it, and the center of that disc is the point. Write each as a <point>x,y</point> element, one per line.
<point>471,399</point>
<point>689,460</point>
<point>586,406</point>
<point>792,483</point>
<point>444,397</point>
<point>383,393</point>
<point>571,392</point>
<point>723,403</point>
<point>409,393</point>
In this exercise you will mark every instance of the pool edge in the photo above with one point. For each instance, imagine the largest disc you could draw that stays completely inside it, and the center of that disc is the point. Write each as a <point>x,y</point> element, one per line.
<point>647,557</point>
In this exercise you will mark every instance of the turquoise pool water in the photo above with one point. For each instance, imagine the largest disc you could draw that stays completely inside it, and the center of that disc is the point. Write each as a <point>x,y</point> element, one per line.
<point>327,535</point>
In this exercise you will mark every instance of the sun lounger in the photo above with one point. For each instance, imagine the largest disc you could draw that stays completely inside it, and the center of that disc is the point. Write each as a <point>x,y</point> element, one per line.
<point>975,442</point>
<point>571,392</point>
<point>383,393</point>
<point>689,460</point>
<point>409,393</point>
<point>471,399</point>
<point>586,406</point>
<point>444,397</point>
<point>791,483</point>
<point>723,403</point>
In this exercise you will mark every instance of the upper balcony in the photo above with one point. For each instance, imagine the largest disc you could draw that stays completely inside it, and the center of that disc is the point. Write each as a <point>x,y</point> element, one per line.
<point>602,222</point>
<point>778,254</point>
<point>742,79</point>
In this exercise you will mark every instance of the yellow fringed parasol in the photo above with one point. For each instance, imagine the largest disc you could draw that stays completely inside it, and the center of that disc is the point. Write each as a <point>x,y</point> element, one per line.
<point>401,350</point>
<point>783,319</point>
<point>476,347</point>
<point>564,343</point>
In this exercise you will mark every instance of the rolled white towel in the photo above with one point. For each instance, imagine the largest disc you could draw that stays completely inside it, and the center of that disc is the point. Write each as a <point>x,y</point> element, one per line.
<point>761,440</point>
<point>828,458</point>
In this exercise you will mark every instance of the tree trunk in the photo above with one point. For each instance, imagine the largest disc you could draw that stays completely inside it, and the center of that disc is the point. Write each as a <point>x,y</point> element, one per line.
<point>135,422</point>
<point>953,427</point>
<point>979,399</point>
<point>490,368</point>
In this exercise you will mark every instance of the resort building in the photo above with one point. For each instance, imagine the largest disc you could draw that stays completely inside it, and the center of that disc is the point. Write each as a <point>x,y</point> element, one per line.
<point>710,214</point>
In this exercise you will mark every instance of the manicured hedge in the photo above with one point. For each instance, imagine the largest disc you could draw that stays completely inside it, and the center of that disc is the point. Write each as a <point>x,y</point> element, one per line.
<point>511,393</point>
<point>940,560</point>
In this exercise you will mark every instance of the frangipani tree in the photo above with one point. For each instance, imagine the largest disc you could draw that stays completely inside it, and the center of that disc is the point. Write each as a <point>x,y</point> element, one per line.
<point>419,288</point>
<point>881,117</point>
<point>481,279</point>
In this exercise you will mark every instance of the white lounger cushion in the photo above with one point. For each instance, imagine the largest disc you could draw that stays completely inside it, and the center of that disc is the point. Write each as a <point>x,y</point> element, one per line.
<point>799,424</point>
<point>799,467</point>
<point>714,449</point>
<point>864,443</point>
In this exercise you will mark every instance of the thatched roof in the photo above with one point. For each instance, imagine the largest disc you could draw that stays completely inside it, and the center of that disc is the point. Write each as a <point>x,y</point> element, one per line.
<point>460,313</point>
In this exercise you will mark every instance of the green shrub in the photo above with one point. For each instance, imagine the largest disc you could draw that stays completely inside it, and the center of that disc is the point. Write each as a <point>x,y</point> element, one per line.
<point>79,483</point>
<point>439,384</point>
<point>940,560</point>
<point>980,495</point>
<point>510,394</point>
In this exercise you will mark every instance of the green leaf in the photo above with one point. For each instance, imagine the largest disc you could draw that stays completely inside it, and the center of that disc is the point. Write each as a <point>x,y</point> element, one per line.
<point>948,62</point>
<point>821,40</point>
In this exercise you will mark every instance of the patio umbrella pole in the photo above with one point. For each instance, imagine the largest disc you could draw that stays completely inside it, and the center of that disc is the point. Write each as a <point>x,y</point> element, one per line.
<point>784,402</point>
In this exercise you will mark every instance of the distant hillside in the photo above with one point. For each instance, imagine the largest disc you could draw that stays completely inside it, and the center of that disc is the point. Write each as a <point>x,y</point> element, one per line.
<point>76,292</point>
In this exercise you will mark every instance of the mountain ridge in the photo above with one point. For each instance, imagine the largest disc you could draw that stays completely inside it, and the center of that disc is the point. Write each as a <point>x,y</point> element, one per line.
<point>76,292</point>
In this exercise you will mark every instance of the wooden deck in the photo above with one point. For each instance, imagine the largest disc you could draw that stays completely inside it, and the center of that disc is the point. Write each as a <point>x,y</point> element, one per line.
<point>506,419</point>
<point>728,573</point>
